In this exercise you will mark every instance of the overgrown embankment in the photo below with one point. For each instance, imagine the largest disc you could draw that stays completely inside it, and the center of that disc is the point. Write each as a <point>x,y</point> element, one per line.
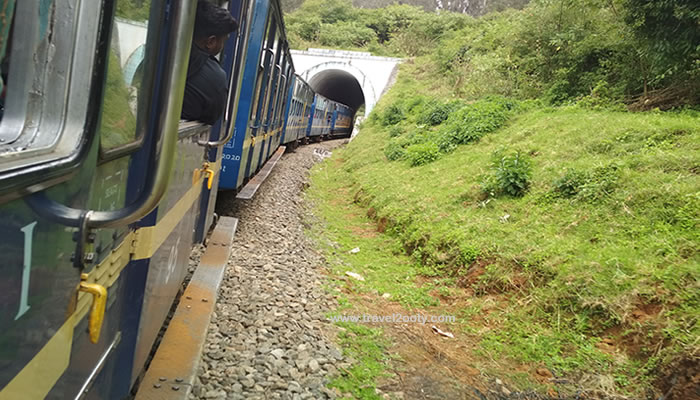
<point>504,180</point>
<point>565,238</point>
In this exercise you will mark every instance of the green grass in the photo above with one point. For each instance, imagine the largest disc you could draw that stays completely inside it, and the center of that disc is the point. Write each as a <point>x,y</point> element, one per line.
<point>383,265</point>
<point>381,259</point>
<point>367,347</point>
<point>573,268</point>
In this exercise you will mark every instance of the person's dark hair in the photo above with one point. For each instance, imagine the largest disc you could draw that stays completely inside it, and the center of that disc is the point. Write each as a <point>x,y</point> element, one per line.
<point>212,20</point>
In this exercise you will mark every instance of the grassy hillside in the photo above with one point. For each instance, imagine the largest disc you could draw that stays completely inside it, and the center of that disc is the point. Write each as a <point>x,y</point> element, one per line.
<point>504,180</point>
<point>592,257</point>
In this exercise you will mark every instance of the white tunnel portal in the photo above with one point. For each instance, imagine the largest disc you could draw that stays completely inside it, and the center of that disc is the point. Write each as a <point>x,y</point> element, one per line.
<point>350,77</point>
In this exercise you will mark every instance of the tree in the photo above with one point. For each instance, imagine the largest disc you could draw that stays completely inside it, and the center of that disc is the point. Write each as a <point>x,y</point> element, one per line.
<point>668,31</point>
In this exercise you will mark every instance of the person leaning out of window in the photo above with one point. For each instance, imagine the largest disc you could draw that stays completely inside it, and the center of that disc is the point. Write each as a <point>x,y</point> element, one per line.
<point>206,89</point>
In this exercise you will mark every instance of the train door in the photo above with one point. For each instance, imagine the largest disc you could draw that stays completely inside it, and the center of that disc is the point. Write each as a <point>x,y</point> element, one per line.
<point>236,152</point>
<point>270,98</point>
<point>334,118</point>
<point>283,102</point>
<point>39,280</point>
<point>256,115</point>
<point>224,132</point>
<point>82,81</point>
<point>276,104</point>
<point>312,112</point>
<point>290,113</point>
<point>308,101</point>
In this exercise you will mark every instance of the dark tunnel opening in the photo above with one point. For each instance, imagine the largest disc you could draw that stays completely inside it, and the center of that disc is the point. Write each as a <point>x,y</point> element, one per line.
<point>340,86</point>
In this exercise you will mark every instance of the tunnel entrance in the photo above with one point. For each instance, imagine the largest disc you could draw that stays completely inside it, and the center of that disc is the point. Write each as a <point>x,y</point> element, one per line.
<point>340,86</point>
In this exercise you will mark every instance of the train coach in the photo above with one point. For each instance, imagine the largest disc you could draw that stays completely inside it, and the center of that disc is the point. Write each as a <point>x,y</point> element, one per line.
<point>342,120</point>
<point>301,97</point>
<point>273,105</point>
<point>104,190</point>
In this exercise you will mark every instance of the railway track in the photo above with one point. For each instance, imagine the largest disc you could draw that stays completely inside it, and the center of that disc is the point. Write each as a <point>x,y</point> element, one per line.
<point>268,337</point>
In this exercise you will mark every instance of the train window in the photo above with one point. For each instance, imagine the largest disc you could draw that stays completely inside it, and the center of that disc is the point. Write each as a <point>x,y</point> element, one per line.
<point>240,10</point>
<point>281,91</point>
<point>274,93</point>
<point>272,78</point>
<point>262,72</point>
<point>281,100</point>
<point>47,52</point>
<point>123,96</point>
<point>256,99</point>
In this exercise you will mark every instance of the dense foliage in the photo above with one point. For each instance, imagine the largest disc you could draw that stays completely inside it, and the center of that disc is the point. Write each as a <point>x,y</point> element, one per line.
<point>474,8</point>
<point>134,10</point>
<point>424,128</point>
<point>394,30</point>
<point>600,52</point>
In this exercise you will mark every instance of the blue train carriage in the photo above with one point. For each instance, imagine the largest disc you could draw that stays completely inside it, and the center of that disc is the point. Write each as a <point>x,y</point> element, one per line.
<point>320,120</point>
<point>259,105</point>
<point>291,114</point>
<point>341,123</point>
<point>298,112</point>
<point>101,188</point>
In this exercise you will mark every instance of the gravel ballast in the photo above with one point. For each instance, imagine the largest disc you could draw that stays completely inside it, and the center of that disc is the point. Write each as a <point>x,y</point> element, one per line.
<point>266,339</point>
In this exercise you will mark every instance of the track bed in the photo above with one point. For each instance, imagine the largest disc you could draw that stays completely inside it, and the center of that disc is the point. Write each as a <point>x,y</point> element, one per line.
<point>266,339</point>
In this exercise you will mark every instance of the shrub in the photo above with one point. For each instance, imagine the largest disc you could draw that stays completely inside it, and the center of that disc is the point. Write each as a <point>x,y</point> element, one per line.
<point>473,121</point>
<point>413,103</point>
<point>601,182</point>
<point>422,153</point>
<point>392,115</point>
<point>509,174</point>
<point>345,34</point>
<point>587,185</point>
<point>306,28</point>
<point>417,136</point>
<point>570,184</point>
<point>394,151</point>
<point>395,130</point>
<point>436,112</point>
<point>601,98</point>
<point>446,141</point>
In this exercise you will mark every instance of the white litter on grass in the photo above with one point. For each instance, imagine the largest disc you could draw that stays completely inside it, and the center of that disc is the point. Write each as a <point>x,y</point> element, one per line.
<point>442,333</point>
<point>322,154</point>
<point>355,250</point>
<point>354,275</point>
<point>386,295</point>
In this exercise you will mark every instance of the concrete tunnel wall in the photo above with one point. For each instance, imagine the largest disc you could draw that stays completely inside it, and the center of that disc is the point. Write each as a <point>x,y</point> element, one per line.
<point>350,77</point>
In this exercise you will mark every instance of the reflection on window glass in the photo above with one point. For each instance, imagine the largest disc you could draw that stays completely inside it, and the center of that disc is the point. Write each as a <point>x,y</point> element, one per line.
<point>7,9</point>
<point>124,73</point>
<point>47,55</point>
<point>31,60</point>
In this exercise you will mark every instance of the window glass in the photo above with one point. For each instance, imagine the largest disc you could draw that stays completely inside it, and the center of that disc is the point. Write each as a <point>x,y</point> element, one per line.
<point>125,71</point>
<point>261,75</point>
<point>8,6</point>
<point>46,61</point>
<point>271,76</point>
<point>281,85</point>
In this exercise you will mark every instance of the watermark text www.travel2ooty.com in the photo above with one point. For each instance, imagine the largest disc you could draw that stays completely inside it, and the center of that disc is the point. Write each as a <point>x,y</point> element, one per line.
<point>393,318</point>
